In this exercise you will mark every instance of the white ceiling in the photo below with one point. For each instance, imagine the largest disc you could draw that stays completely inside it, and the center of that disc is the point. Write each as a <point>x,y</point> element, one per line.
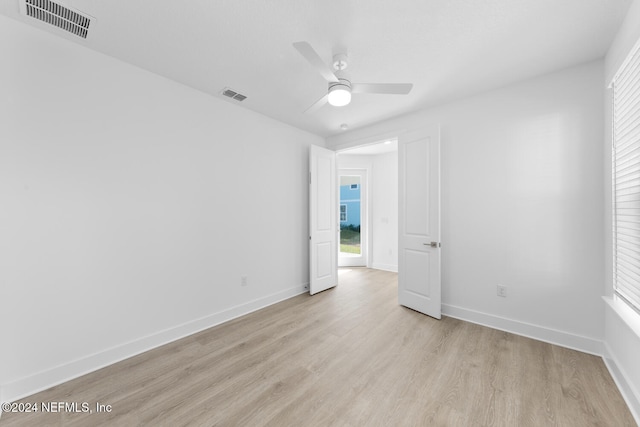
<point>447,48</point>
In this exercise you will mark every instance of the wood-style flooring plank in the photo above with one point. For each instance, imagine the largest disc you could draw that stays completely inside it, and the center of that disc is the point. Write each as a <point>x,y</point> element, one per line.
<point>349,356</point>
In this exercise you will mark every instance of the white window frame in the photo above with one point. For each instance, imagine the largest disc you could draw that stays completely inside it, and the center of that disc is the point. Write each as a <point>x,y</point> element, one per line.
<point>626,180</point>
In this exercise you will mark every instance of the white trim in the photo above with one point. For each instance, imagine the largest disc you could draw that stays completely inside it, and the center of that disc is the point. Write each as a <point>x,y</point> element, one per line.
<point>385,267</point>
<point>529,330</point>
<point>627,390</point>
<point>627,318</point>
<point>564,339</point>
<point>45,379</point>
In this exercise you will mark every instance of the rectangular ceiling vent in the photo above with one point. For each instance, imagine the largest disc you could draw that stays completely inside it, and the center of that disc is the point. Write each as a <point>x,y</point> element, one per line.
<point>57,15</point>
<point>233,94</point>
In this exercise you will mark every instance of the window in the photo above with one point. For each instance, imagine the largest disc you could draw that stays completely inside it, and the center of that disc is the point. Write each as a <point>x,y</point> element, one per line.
<point>626,180</point>
<point>343,213</point>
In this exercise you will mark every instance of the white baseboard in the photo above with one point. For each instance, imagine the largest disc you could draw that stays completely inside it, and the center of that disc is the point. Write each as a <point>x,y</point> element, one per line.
<point>540,333</point>
<point>564,339</point>
<point>629,393</point>
<point>385,267</point>
<point>43,380</point>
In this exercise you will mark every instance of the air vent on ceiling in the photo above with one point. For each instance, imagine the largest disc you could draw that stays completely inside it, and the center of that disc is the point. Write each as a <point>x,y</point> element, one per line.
<point>57,15</point>
<point>233,94</point>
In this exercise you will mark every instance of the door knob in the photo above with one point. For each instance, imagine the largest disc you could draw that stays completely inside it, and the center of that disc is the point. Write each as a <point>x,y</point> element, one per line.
<point>433,244</point>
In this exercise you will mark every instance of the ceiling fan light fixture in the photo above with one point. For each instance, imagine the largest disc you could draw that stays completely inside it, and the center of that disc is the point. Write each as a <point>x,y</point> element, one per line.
<point>339,95</point>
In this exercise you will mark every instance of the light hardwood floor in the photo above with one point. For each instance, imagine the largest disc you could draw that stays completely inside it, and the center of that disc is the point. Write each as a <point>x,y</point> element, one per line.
<point>349,356</point>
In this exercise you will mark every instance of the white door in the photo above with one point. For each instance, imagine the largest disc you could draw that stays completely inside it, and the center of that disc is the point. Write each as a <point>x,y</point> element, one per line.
<point>323,216</point>
<point>419,221</point>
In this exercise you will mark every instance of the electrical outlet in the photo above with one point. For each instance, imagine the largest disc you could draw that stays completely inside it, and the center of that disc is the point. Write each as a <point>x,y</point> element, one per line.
<point>243,281</point>
<point>501,291</point>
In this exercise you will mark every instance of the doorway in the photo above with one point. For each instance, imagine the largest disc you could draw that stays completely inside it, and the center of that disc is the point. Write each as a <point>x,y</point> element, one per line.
<point>377,166</point>
<point>353,217</point>
<point>417,210</point>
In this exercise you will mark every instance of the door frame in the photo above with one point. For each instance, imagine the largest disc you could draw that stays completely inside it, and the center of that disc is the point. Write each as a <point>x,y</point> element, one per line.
<point>365,208</point>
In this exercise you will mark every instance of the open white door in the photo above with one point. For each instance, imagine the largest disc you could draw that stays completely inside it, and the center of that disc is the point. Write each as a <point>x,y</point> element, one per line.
<point>323,217</point>
<point>419,221</point>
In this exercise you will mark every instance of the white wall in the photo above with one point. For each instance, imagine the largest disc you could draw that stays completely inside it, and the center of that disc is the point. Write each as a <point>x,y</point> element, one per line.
<point>522,190</point>
<point>130,207</point>
<point>622,327</point>
<point>384,217</point>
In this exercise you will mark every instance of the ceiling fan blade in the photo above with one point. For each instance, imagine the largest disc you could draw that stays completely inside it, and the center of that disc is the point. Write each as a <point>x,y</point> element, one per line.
<point>317,105</point>
<point>387,88</point>
<point>314,59</point>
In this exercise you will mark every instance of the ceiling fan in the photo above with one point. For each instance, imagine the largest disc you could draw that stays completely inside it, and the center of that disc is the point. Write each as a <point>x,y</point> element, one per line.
<point>340,87</point>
